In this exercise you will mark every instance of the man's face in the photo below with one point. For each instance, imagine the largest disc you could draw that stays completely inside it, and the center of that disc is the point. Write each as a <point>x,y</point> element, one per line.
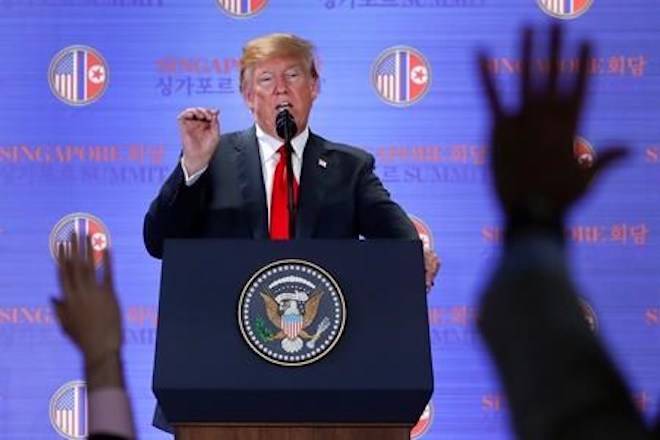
<point>276,83</point>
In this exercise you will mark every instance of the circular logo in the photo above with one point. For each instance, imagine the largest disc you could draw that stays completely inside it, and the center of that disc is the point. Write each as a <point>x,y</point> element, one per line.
<point>565,9</point>
<point>584,152</point>
<point>83,225</point>
<point>589,314</point>
<point>401,76</point>
<point>423,231</point>
<point>291,313</point>
<point>68,410</point>
<point>423,424</point>
<point>78,75</point>
<point>242,8</point>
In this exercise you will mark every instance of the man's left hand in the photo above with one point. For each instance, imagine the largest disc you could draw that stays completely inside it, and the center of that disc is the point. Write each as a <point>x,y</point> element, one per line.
<point>431,267</point>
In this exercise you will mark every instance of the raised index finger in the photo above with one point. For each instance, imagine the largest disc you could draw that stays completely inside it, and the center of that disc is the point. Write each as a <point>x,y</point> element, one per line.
<point>555,53</point>
<point>526,65</point>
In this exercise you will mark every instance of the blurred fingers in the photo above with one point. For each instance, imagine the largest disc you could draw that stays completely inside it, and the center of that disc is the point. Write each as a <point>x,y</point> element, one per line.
<point>80,265</point>
<point>488,83</point>
<point>108,276</point>
<point>609,157</point>
<point>526,65</point>
<point>65,272</point>
<point>554,60</point>
<point>60,312</point>
<point>89,258</point>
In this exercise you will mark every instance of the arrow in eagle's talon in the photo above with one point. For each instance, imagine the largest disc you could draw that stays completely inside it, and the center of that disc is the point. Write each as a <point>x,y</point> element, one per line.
<point>323,326</point>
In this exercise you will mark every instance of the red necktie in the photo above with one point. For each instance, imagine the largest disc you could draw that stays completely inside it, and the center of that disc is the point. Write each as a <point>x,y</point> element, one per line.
<point>279,211</point>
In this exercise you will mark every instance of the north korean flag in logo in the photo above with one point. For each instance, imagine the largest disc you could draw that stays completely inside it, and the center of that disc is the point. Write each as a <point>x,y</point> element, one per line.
<point>78,75</point>
<point>242,8</point>
<point>565,9</point>
<point>401,76</point>
<point>584,152</point>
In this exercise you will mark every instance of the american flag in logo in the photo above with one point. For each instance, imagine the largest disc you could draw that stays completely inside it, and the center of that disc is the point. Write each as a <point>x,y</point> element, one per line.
<point>68,410</point>
<point>83,226</point>
<point>401,76</point>
<point>78,75</point>
<point>565,8</point>
<point>291,325</point>
<point>242,7</point>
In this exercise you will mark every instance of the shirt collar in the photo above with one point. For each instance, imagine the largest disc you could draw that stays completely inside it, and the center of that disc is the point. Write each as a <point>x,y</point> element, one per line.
<point>269,144</point>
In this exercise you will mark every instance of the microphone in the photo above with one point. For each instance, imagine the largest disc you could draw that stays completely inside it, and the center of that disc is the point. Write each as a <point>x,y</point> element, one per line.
<point>286,129</point>
<point>285,125</point>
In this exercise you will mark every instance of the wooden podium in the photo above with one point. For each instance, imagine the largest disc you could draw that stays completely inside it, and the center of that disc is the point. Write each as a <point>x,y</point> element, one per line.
<point>289,432</point>
<point>211,384</point>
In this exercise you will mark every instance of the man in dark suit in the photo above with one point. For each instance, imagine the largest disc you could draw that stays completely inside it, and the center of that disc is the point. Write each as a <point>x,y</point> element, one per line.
<point>231,186</point>
<point>235,185</point>
<point>558,379</point>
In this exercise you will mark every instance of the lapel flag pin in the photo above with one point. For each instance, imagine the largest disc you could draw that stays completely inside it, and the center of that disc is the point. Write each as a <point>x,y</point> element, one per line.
<point>323,163</point>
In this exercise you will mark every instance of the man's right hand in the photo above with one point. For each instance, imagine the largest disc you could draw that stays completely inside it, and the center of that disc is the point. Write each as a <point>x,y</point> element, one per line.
<point>200,134</point>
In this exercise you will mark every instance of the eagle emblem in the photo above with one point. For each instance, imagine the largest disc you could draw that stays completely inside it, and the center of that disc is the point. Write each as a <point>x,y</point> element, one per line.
<point>291,312</point>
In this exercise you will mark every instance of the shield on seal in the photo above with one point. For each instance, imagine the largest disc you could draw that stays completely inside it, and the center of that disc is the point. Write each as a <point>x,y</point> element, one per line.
<point>291,325</point>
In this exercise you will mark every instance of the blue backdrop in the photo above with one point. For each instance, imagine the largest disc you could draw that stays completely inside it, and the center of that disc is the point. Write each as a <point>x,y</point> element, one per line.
<point>89,94</point>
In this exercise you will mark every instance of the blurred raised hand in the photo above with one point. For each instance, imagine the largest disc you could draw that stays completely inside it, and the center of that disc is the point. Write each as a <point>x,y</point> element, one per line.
<point>531,153</point>
<point>89,314</point>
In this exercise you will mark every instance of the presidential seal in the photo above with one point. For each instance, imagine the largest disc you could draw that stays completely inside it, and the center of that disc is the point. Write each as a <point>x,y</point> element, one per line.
<point>291,313</point>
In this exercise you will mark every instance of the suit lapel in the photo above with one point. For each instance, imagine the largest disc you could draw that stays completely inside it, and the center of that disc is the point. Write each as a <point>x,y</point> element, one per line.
<point>312,186</point>
<point>251,182</point>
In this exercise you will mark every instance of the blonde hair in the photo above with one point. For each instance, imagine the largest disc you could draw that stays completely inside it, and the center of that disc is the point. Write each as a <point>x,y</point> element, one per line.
<point>275,45</point>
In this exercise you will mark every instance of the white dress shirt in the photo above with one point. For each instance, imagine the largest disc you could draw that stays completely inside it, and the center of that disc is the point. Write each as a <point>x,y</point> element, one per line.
<point>268,146</point>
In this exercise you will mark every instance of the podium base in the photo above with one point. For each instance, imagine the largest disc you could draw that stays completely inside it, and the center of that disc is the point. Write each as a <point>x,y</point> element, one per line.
<point>292,432</point>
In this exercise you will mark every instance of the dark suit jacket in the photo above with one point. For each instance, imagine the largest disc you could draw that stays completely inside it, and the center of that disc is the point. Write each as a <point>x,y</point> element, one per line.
<point>340,197</point>
<point>559,382</point>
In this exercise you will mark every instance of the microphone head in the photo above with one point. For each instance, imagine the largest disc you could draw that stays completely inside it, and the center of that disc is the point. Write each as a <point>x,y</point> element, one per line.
<point>285,125</point>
